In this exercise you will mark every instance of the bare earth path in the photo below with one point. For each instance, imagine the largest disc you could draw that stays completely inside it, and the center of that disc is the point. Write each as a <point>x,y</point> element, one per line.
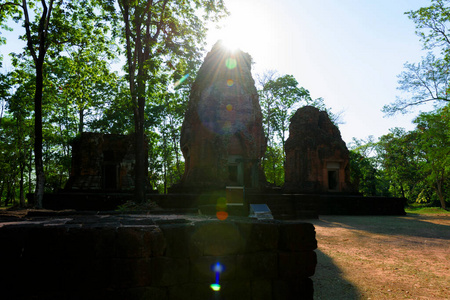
<point>383,257</point>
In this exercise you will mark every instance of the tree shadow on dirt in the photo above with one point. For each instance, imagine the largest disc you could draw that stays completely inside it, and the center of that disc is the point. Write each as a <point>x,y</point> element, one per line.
<point>329,282</point>
<point>412,225</point>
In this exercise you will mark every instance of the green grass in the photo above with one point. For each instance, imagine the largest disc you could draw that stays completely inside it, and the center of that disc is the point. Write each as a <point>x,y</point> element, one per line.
<point>426,210</point>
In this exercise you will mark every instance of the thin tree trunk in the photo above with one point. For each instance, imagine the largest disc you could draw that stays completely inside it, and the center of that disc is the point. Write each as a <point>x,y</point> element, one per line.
<point>1,192</point>
<point>21,187</point>
<point>29,171</point>
<point>39,165</point>
<point>81,125</point>
<point>439,193</point>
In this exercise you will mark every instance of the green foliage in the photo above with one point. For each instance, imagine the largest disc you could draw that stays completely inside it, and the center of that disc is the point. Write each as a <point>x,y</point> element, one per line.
<point>280,97</point>
<point>426,210</point>
<point>427,82</point>
<point>273,165</point>
<point>432,26</point>
<point>433,131</point>
<point>364,169</point>
<point>402,166</point>
<point>414,165</point>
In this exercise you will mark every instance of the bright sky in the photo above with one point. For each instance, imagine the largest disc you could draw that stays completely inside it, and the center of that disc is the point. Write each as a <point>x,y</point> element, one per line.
<point>348,52</point>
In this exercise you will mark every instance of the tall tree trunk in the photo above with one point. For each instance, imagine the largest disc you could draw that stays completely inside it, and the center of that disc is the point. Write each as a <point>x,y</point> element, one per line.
<point>140,184</point>
<point>38,59</point>
<point>21,187</point>
<point>1,192</point>
<point>39,165</point>
<point>137,91</point>
<point>439,192</point>
<point>81,125</point>
<point>30,163</point>
<point>139,117</point>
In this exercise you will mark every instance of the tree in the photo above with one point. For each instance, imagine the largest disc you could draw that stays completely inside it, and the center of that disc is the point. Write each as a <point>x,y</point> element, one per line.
<point>365,168</point>
<point>158,36</point>
<point>432,26</point>
<point>424,82</point>
<point>434,145</point>
<point>427,81</point>
<point>401,164</point>
<point>38,46</point>
<point>55,24</point>
<point>279,96</point>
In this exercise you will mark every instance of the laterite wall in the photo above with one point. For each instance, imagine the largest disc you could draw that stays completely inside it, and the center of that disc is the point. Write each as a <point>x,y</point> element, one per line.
<point>141,257</point>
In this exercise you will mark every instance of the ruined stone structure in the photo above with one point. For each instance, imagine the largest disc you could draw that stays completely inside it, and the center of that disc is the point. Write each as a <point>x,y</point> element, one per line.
<point>317,159</point>
<point>152,257</point>
<point>102,162</point>
<point>222,138</point>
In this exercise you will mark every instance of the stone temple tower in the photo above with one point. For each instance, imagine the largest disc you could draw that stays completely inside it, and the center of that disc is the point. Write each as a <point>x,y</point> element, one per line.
<point>222,138</point>
<point>317,159</point>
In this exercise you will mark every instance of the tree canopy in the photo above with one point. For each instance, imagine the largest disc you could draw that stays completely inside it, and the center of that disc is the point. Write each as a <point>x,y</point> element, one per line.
<point>428,81</point>
<point>71,46</point>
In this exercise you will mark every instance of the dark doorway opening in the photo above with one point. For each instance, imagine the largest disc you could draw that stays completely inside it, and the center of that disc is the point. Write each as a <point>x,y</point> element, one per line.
<point>333,180</point>
<point>110,176</point>
<point>233,173</point>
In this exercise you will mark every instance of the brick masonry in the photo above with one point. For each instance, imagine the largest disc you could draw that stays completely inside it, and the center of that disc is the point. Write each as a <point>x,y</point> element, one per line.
<point>155,257</point>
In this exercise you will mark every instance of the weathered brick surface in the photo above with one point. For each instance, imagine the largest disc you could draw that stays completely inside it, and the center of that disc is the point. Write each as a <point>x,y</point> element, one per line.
<point>297,237</point>
<point>261,260</point>
<point>192,291</point>
<point>179,242</point>
<point>297,264</point>
<point>262,289</point>
<point>257,265</point>
<point>169,271</point>
<point>218,238</point>
<point>294,289</point>
<point>258,236</point>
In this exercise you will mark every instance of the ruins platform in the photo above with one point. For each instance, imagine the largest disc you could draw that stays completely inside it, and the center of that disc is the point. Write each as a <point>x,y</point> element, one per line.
<point>110,255</point>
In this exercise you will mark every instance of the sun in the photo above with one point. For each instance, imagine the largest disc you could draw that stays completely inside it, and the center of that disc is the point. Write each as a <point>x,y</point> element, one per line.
<point>253,28</point>
<point>243,29</point>
<point>231,39</point>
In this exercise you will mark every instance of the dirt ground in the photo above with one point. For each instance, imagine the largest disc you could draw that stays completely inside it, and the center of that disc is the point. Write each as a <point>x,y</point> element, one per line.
<point>383,257</point>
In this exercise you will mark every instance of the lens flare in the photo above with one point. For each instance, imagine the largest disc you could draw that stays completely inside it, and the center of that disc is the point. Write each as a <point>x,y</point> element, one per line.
<point>217,268</point>
<point>229,107</point>
<point>181,80</point>
<point>230,82</point>
<point>222,215</point>
<point>221,203</point>
<point>231,63</point>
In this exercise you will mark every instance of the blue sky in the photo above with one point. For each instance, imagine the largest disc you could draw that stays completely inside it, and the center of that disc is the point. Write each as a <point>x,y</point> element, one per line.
<point>348,52</point>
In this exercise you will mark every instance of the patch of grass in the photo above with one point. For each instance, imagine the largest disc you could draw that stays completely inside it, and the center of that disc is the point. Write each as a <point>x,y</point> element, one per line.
<point>426,210</point>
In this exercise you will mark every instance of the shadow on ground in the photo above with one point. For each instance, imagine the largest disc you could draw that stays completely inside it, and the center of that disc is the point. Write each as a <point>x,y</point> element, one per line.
<point>413,225</point>
<point>329,283</point>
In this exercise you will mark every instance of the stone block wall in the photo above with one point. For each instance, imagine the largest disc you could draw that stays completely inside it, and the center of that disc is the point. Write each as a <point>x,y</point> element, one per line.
<point>103,257</point>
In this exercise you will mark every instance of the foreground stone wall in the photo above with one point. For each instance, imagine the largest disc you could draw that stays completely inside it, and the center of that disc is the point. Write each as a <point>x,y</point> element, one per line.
<point>142,257</point>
